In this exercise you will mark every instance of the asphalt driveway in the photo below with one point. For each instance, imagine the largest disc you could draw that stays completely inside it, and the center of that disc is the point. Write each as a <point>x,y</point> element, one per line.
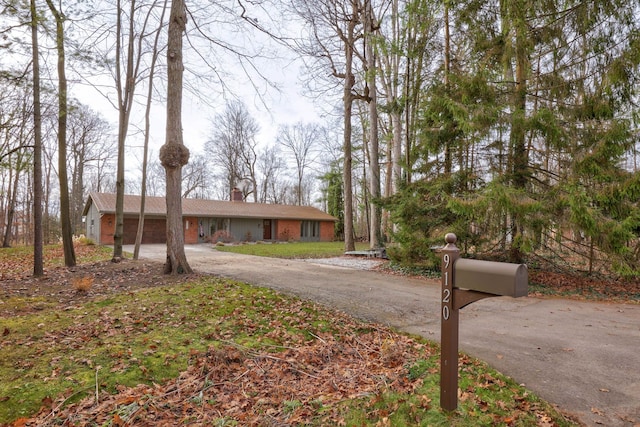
<point>582,356</point>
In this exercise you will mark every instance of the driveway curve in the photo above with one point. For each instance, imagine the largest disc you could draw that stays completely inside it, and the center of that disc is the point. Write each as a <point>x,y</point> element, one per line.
<point>582,356</point>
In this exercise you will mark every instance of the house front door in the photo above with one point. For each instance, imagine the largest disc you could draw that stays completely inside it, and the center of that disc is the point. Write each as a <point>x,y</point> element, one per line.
<point>266,229</point>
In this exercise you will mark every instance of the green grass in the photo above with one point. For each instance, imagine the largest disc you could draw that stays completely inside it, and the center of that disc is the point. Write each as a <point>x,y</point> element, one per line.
<point>127,339</point>
<point>151,336</point>
<point>291,250</point>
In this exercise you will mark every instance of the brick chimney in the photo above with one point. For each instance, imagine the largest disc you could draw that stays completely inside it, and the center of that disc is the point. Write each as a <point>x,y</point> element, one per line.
<point>236,195</point>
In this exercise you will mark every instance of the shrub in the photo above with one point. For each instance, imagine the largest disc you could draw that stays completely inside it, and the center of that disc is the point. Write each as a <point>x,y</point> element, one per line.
<point>221,236</point>
<point>83,240</point>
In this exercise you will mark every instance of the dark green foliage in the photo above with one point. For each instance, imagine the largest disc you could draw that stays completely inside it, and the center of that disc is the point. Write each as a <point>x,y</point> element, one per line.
<point>522,145</point>
<point>423,216</point>
<point>335,200</point>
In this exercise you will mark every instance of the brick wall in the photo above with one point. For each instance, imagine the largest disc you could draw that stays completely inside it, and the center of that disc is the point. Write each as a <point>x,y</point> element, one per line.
<point>287,230</point>
<point>155,230</point>
<point>326,231</point>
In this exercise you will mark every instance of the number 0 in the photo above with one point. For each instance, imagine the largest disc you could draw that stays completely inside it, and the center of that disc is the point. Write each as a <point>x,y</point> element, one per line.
<point>445,312</point>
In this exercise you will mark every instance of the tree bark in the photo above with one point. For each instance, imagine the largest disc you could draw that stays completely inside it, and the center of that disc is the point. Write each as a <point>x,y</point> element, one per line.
<point>14,179</point>
<point>347,99</point>
<point>375,214</point>
<point>147,126</point>
<point>38,246</point>
<point>65,212</point>
<point>125,101</point>
<point>173,154</point>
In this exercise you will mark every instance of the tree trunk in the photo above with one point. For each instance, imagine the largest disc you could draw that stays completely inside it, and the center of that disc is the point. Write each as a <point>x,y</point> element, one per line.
<point>38,246</point>
<point>125,101</point>
<point>11,198</point>
<point>147,126</point>
<point>347,99</point>
<point>518,135</point>
<point>375,215</point>
<point>65,212</point>
<point>173,154</point>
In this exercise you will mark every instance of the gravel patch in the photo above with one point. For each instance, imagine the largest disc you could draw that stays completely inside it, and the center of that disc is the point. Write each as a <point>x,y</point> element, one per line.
<point>356,263</point>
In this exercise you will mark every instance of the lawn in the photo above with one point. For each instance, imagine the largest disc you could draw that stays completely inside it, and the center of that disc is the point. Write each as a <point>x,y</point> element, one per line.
<point>147,350</point>
<point>291,250</point>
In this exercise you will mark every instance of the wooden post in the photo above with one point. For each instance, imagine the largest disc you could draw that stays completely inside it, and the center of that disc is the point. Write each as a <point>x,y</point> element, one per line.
<point>449,329</point>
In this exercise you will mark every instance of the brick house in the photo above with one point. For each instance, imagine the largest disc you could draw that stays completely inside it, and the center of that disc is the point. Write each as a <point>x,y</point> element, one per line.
<point>207,220</point>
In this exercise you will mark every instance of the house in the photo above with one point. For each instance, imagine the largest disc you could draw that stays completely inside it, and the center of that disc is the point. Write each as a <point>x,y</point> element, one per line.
<point>207,220</point>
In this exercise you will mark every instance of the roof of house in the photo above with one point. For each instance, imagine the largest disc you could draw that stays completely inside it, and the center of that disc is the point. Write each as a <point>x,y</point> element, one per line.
<point>156,206</point>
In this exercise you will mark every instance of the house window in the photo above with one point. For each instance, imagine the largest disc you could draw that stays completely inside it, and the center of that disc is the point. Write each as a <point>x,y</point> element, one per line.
<point>309,229</point>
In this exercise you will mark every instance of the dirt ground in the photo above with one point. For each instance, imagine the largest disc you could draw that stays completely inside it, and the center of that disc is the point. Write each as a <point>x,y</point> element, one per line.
<point>61,284</point>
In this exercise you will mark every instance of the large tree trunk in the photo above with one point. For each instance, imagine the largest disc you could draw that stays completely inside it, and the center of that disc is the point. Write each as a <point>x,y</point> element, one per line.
<point>375,214</point>
<point>173,154</point>
<point>347,99</point>
<point>38,246</point>
<point>65,212</point>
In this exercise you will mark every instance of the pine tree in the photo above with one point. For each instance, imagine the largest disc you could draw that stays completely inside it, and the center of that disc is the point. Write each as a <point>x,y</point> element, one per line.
<point>531,120</point>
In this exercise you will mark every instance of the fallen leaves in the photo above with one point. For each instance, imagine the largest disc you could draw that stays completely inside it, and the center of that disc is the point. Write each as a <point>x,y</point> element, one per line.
<point>297,367</point>
<point>583,287</point>
<point>255,387</point>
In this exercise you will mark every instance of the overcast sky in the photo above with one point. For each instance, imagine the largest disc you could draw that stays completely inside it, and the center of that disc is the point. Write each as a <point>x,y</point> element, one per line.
<point>271,108</point>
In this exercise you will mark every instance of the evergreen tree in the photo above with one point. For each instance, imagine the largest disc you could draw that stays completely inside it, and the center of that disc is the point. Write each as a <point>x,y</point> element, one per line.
<point>521,142</point>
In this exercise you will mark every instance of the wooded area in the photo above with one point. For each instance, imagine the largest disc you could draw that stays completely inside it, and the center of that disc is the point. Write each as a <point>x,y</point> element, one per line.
<point>513,124</point>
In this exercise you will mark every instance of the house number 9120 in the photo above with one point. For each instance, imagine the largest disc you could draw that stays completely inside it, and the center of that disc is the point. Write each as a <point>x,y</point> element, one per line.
<point>446,292</point>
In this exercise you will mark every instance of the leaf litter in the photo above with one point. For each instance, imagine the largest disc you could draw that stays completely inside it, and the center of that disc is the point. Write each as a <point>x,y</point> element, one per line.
<point>290,378</point>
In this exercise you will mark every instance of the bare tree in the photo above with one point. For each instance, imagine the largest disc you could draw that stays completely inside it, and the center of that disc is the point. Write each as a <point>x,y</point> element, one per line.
<point>155,176</point>
<point>195,178</point>
<point>301,141</point>
<point>270,166</point>
<point>15,135</point>
<point>65,209</point>
<point>174,154</point>
<point>334,28</point>
<point>18,164</point>
<point>147,127</point>
<point>126,81</point>
<point>232,147</point>
<point>375,214</point>
<point>89,133</point>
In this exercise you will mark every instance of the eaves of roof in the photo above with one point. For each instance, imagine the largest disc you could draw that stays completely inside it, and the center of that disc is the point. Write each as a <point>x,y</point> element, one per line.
<point>156,206</point>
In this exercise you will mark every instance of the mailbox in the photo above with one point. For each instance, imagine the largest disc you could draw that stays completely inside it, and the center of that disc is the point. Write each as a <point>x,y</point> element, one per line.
<point>498,278</point>
<point>465,281</point>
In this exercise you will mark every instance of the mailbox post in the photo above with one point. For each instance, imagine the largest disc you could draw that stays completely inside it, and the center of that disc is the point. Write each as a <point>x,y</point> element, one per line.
<point>465,281</point>
<point>448,329</point>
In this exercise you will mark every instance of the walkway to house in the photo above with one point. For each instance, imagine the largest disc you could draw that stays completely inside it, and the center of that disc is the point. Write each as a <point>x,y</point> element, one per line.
<point>582,356</point>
